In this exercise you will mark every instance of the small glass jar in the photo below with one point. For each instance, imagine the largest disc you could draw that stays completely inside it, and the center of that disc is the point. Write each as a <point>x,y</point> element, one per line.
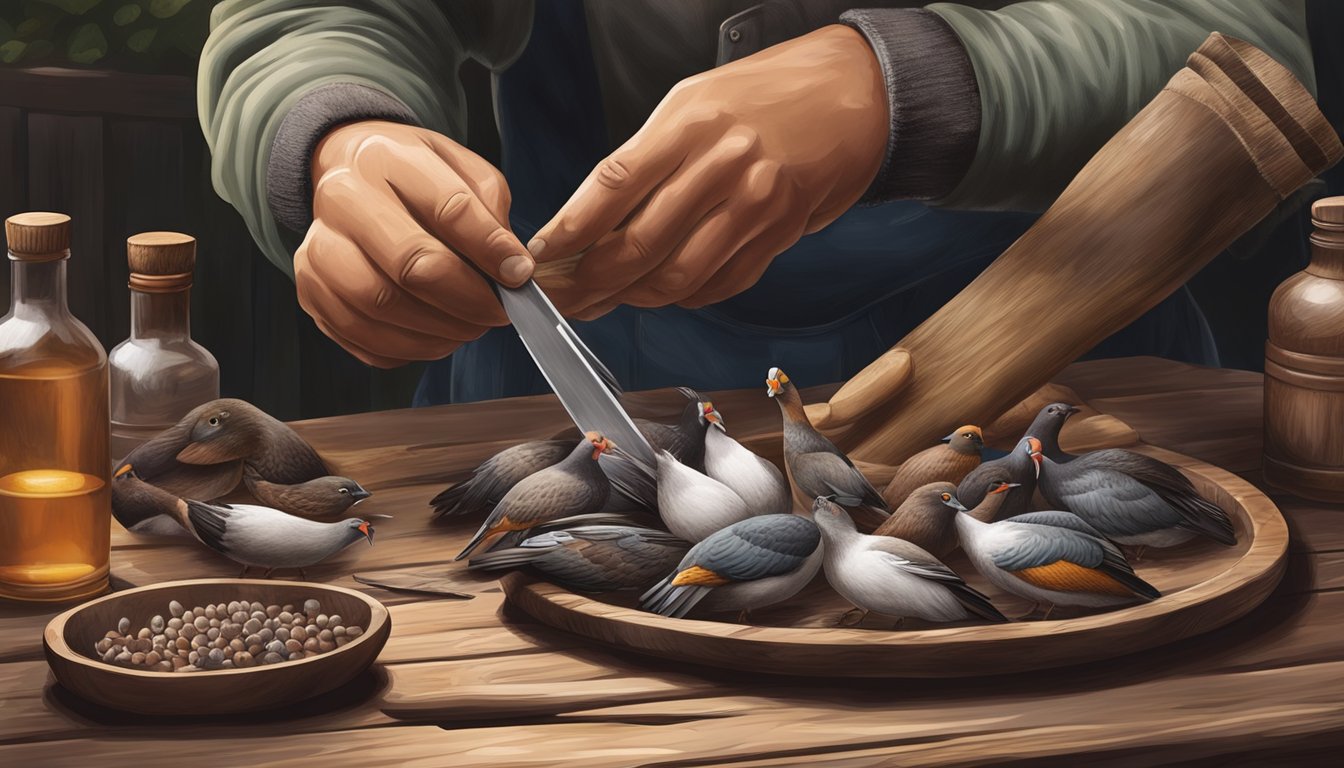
<point>55,506</point>
<point>159,373</point>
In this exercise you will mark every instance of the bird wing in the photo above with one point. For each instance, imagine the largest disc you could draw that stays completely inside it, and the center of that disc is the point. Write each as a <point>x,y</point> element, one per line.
<point>769,545</point>
<point>546,495</point>
<point>496,475</point>
<point>1058,519</point>
<point>905,556</point>
<point>208,522</point>
<point>1196,513</point>
<point>833,474</point>
<point>1067,560</point>
<point>1112,502</point>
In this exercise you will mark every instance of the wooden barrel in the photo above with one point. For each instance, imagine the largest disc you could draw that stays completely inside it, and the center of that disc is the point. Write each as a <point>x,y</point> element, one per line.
<point>1304,368</point>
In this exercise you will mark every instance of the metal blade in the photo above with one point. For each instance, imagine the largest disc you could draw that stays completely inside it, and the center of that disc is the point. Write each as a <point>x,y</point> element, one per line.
<point>577,376</point>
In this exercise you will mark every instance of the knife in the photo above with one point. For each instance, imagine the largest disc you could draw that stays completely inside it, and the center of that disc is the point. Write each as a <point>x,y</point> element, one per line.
<point>587,390</point>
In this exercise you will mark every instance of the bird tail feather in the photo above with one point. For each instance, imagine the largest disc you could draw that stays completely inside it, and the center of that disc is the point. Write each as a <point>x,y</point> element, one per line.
<point>449,501</point>
<point>505,559</point>
<point>207,524</point>
<point>1115,565</point>
<point>475,541</point>
<point>976,602</point>
<point>1205,517</point>
<point>674,601</point>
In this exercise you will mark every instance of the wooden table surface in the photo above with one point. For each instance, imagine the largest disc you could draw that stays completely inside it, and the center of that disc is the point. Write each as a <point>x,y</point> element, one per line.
<point>474,682</point>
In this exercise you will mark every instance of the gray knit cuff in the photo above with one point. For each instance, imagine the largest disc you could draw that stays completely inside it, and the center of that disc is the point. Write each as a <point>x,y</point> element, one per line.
<point>289,180</point>
<point>933,98</point>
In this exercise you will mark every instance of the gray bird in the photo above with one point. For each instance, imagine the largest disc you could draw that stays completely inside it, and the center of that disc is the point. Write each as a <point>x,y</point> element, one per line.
<point>1022,467</point>
<point>228,429</point>
<point>497,475</point>
<point>1051,557</point>
<point>758,482</point>
<point>327,496</point>
<point>252,535</point>
<point>1134,499</point>
<point>592,558</point>
<point>748,565</point>
<point>1046,427</point>
<point>816,466</point>
<point>694,505</point>
<point>892,576</point>
<point>575,486</point>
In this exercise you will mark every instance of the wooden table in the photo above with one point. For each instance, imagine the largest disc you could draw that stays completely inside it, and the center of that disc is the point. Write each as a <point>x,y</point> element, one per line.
<point>474,682</point>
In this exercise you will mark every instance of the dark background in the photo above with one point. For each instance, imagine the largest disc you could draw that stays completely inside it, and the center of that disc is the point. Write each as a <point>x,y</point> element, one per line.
<point>98,120</point>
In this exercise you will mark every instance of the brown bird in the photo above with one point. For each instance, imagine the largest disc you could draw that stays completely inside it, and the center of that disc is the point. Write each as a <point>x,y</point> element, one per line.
<point>925,520</point>
<point>575,486</point>
<point>815,465</point>
<point>155,462</point>
<point>1022,467</point>
<point>327,496</point>
<point>949,462</point>
<point>497,474</point>
<point>229,429</point>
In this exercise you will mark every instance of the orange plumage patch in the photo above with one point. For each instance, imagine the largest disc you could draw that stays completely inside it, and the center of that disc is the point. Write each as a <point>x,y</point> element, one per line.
<point>1063,576</point>
<point>696,576</point>
<point>505,524</point>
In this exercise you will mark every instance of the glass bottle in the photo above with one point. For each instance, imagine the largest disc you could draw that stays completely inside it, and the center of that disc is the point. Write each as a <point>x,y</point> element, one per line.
<point>159,373</point>
<point>55,506</point>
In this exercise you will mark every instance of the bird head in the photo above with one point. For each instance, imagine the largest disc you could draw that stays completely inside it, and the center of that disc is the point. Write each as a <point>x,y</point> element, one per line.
<point>711,415</point>
<point>347,487</point>
<point>830,516</point>
<point>967,439</point>
<point>1032,447</point>
<point>600,444</point>
<point>364,527</point>
<point>950,500</point>
<point>221,430</point>
<point>1060,411</point>
<point>775,382</point>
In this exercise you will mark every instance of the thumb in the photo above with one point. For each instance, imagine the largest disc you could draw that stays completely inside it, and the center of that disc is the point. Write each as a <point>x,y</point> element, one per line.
<point>882,380</point>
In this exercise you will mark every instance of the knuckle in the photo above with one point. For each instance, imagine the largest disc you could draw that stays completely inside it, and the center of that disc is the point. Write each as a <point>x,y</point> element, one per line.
<point>501,241</point>
<point>740,144</point>
<point>338,188</point>
<point>612,173</point>
<point>422,261</point>
<point>454,208</point>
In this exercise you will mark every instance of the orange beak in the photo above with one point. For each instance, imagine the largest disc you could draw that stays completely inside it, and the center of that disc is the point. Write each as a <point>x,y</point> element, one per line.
<point>367,530</point>
<point>122,470</point>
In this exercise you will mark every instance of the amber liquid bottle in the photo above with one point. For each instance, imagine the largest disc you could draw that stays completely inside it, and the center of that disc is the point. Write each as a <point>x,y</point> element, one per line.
<point>1304,368</point>
<point>55,508</point>
<point>159,373</point>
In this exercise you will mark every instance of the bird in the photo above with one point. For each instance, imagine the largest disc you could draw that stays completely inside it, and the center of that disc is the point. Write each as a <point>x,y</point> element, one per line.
<point>686,438</point>
<point>1134,500</point>
<point>815,465</point>
<point>1046,427</point>
<point>592,558</point>
<point>891,576</point>
<point>575,486</point>
<point>155,461</point>
<point>327,496</point>
<point>253,536</point>
<point>497,474</point>
<point>757,481</point>
<point>1022,466</point>
<point>924,520</point>
<point>694,505</point>
<point>949,461</point>
<point>1050,557</point>
<point>229,429</point>
<point>750,564</point>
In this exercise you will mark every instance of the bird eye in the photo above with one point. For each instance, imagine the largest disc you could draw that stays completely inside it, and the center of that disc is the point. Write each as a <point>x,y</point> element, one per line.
<point>947,497</point>
<point>214,421</point>
<point>344,490</point>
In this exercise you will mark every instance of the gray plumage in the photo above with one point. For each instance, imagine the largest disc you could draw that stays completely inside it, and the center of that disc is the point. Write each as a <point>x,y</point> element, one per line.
<point>892,576</point>
<point>593,558</point>
<point>1046,427</point>
<point>1134,499</point>
<point>497,475</point>
<point>751,564</point>
<point>1020,466</point>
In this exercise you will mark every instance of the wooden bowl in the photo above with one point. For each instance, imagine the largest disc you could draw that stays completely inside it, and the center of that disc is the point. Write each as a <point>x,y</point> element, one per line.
<point>1204,586</point>
<point>69,639</point>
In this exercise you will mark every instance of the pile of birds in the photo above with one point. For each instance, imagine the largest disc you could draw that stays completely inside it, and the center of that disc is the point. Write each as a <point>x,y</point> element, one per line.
<point>712,529</point>
<point>170,485</point>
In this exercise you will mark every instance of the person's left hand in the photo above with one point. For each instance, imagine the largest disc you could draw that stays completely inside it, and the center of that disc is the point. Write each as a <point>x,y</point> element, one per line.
<point>731,169</point>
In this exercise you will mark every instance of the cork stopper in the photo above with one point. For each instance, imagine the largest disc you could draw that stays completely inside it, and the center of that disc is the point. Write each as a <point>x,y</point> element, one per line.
<point>38,236</point>
<point>1328,213</point>
<point>161,261</point>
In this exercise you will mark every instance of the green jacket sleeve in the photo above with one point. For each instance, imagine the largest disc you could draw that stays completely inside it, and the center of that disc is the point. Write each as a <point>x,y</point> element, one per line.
<point>399,58</point>
<point>1058,78</point>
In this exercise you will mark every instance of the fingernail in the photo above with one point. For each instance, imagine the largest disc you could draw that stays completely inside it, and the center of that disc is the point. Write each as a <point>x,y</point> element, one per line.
<point>515,269</point>
<point>536,246</point>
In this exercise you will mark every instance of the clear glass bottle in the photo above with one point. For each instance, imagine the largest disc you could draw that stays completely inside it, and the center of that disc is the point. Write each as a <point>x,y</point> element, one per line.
<point>159,373</point>
<point>55,506</point>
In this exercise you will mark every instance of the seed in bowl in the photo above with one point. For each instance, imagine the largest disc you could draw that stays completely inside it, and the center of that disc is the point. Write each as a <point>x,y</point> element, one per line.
<point>214,637</point>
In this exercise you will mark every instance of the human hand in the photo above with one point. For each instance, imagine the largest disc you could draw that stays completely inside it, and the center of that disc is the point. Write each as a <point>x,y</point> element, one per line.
<point>732,168</point>
<point>400,216</point>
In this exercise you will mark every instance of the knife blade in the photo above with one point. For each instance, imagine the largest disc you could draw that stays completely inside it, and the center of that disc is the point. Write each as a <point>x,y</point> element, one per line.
<point>587,390</point>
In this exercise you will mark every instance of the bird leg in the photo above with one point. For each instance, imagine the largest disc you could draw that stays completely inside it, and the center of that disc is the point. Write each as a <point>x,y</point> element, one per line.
<point>852,617</point>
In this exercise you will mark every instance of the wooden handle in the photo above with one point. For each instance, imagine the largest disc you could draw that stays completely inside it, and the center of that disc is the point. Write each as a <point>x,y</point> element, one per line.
<point>1230,135</point>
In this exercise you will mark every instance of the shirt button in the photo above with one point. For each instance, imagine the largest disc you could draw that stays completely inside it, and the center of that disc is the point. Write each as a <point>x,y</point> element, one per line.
<point>734,34</point>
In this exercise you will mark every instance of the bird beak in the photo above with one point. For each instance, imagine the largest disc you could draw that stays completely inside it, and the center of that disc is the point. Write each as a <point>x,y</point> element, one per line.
<point>367,530</point>
<point>948,438</point>
<point>1072,410</point>
<point>1005,487</point>
<point>955,504</point>
<point>125,469</point>
<point>713,417</point>
<point>359,494</point>
<point>1036,459</point>
<point>771,387</point>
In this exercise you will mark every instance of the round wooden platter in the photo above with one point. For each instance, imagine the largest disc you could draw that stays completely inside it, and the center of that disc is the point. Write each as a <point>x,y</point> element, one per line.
<point>1204,586</point>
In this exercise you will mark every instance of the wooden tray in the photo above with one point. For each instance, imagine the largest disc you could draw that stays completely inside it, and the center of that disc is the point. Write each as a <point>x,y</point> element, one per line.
<point>69,638</point>
<point>1204,586</point>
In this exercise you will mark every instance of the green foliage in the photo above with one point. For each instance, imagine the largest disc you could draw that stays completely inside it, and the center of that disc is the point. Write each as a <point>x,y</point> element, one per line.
<point>130,35</point>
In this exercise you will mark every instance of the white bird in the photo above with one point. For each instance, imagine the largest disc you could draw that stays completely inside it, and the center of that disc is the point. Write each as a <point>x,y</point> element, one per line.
<point>758,482</point>
<point>694,505</point>
<point>891,576</point>
<point>262,537</point>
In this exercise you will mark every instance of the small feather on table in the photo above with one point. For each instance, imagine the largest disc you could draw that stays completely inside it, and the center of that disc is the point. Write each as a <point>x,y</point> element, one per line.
<point>442,584</point>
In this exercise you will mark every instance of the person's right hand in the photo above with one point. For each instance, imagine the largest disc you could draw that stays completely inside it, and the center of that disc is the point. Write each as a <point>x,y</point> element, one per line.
<point>400,215</point>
